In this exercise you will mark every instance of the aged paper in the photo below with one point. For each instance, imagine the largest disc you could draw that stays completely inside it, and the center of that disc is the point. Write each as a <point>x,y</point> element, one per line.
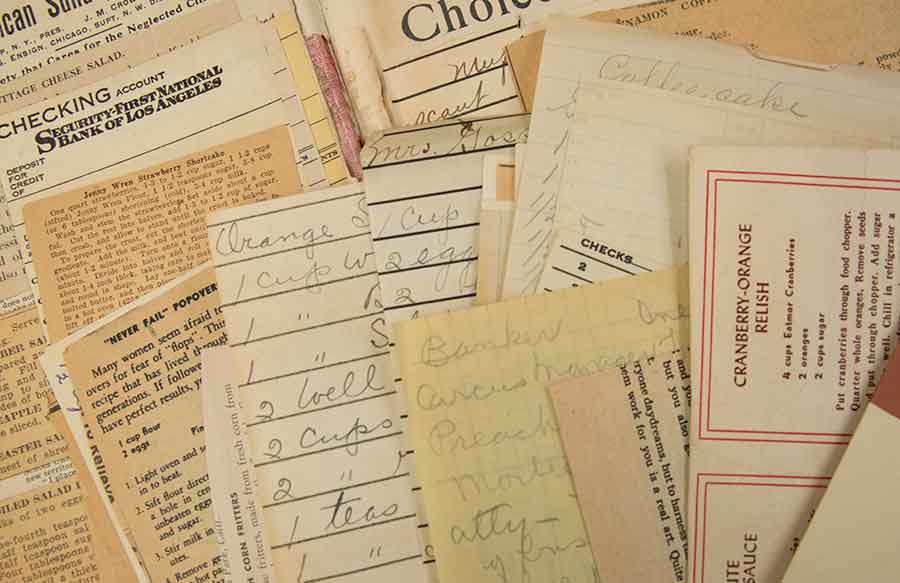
<point>29,441</point>
<point>817,31</point>
<point>577,259</point>
<point>329,168</point>
<point>112,55</point>
<point>349,126</point>
<point>51,519</point>
<point>137,378</point>
<point>300,292</point>
<point>77,70</point>
<point>111,544</point>
<point>174,103</point>
<point>617,110</point>
<point>15,292</point>
<point>423,187</point>
<point>54,42</point>
<point>67,45</point>
<point>232,477</point>
<point>496,484</point>
<point>498,199</point>
<point>794,321</point>
<point>436,60</point>
<point>858,501</point>
<point>424,190</point>
<point>625,434</point>
<point>94,249</point>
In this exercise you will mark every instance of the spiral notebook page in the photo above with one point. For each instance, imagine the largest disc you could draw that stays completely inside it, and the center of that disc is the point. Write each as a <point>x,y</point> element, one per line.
<point>300,294</point>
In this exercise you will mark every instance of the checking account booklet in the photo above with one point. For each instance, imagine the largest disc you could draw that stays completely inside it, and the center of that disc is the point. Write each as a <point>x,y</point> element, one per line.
<point>794,305</point>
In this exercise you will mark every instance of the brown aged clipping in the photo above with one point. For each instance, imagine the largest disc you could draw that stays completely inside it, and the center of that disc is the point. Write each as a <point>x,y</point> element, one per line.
<point>52,521</point>
<point>137,380</point>
<point>99,247</point>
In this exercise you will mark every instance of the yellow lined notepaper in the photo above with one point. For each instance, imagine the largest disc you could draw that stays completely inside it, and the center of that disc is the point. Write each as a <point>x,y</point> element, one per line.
<point>497,490</point>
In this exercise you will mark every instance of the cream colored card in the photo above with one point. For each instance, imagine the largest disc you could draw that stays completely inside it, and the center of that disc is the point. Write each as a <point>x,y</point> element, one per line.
<point>138,231</point>
<point>232,477</point>
<point>794,302</point>
<point>498,494</point>
<point>625,434</point>
<point>47,504</point>
<point>857,501</point>
<point>424,190</point>
<point>498,199</point>
<point>436,60</point>
<point>51,43</point>
<point>173,103</point>
<point>818,31</point>
<point>136,378</point>
<point>617,109</point>
<point>300,293</point>
<point>106,55</point>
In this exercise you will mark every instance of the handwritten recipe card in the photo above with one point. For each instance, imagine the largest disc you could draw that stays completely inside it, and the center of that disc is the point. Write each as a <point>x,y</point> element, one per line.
<point>498,494</point>
<point>301,300</point>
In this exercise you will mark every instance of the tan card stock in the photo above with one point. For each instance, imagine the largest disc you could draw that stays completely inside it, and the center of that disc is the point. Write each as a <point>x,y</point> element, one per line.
<point>853,535</point>
<point>625,434</point>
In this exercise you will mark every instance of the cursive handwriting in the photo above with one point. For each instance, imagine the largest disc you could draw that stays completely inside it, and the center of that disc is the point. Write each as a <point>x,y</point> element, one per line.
<point>474,485</point>
<point>650,317</point>
<point>475,102</point>
<point>343,513</point>
<point>310,437</point>
<point>479,65</point>
<point>230,241</point>
<point>311,277</point>
<point>666,76</point>
<point>437,351</point>
<point>427,256</point>
<point>430,398</point>
<point>387,153</point>
<point>474,136</point>
<point>446,437</point>
<point>546,373</point>
<point>501,521</point>
<point>349,388</point>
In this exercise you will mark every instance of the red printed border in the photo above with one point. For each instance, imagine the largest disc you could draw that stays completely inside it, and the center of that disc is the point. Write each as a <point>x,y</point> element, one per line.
<point>710,283</point>
<point>772,481</point>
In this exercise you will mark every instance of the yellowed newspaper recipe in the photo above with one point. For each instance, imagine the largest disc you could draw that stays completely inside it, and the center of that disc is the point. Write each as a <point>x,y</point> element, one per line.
<point>97,248</point>
<point>137,380</point>
<point>174,103</point>
<point>52,523</point>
